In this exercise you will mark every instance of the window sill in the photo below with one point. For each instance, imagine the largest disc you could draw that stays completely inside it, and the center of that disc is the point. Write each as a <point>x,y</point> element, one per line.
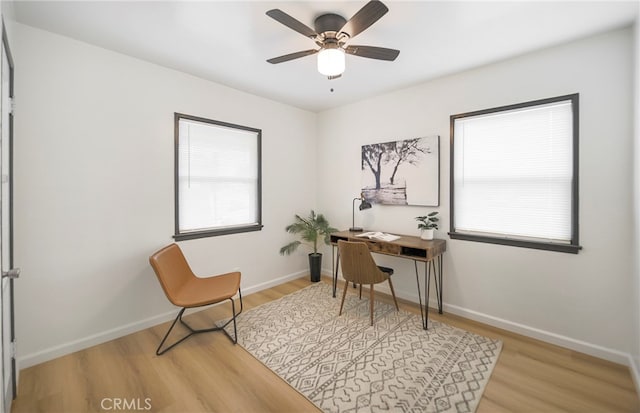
<point>217,232</point>
<point>568,248</point>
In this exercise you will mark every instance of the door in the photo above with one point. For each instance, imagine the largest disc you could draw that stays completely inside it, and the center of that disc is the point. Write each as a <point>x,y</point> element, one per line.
<point>9,273</point>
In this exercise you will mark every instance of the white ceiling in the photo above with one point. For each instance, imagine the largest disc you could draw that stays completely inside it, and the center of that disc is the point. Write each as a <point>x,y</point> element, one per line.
<point>228,41</point>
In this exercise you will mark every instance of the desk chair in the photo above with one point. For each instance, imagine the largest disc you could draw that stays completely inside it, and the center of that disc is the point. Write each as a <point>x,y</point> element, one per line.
<point>184,289</point>
<point>359,267</point>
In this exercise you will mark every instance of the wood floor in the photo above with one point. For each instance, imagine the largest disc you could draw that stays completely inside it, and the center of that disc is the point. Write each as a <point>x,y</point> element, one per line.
<point>207,373</point>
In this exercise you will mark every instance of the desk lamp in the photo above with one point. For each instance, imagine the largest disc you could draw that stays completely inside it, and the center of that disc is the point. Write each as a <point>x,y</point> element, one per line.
<point>363,205</point>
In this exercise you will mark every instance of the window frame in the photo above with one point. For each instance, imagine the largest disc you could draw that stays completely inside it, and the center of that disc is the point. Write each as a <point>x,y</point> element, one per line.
<point>573,246</point>
<point>212,232</point>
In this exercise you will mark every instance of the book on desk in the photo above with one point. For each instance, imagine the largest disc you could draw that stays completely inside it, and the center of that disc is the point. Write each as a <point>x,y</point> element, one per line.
<point>379,236</point>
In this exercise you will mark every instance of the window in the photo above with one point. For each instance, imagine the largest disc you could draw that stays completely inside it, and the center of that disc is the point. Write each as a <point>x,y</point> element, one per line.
<point>217,178</point>
<point>514,175</point>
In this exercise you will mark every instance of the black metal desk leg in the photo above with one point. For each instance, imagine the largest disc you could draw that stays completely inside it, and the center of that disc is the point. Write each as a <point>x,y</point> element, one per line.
<point>424,310</point>
<point>415,264</point>
<point>335,271</point>
<point>427,281</point>
<point>438,277</point>
<point>435,281</point>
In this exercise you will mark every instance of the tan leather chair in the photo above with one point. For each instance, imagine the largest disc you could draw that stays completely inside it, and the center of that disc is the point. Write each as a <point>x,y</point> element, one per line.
<point>184,289</point>
<point>359,267</point>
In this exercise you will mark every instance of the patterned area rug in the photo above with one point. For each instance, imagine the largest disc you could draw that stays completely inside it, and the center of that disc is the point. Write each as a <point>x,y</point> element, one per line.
<point>342,364</point>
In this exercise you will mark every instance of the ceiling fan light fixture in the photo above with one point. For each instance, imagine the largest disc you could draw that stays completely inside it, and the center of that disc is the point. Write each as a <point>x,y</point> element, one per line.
<point>331,62</point>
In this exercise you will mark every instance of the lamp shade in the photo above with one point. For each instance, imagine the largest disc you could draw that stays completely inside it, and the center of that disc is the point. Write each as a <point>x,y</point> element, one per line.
<point>331,62</point>
<point>364,204</point>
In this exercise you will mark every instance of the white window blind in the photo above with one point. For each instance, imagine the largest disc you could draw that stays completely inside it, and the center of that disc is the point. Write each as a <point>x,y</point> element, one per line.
<point>513,173</point>
<point>218,176</point>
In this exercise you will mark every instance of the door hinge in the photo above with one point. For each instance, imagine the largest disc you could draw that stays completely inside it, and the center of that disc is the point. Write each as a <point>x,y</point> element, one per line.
<point>13,273</point>
<point>12,106</point>
<point>12,349</point>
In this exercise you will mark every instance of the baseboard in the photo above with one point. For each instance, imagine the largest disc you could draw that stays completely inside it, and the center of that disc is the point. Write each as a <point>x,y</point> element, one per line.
<point>92,340</point>
<point>528,331</point>
<point>595,350</point>
<point>549,337</point>
<point>634,366</point>
<point>273,283</point>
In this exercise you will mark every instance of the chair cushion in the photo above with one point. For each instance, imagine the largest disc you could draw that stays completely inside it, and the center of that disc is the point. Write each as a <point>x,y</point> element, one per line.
<point>202,291</point>
<point>386,270</point>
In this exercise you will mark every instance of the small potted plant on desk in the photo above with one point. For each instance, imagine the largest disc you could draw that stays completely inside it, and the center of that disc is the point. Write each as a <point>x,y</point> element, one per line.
<point>311,229</point>
<point>428,223</point>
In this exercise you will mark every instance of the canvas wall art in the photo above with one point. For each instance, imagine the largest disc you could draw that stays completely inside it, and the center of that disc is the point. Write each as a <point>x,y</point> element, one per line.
<point>404,172</point>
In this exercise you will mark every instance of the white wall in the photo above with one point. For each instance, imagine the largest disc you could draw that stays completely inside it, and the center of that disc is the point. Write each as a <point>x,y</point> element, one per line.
<point>581,301</point>
<point>94,190</point>
<point>8,10</point>
<point>635,290</point>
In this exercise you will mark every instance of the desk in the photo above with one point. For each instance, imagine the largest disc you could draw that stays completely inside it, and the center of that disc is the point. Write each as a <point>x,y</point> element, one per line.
<point>408,247</point>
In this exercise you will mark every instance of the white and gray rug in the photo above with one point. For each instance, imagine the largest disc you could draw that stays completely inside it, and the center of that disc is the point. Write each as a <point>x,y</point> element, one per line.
<point>342,364</point>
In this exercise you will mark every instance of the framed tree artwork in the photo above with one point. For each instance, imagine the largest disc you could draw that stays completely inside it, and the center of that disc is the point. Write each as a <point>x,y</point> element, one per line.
<point>404,172</point>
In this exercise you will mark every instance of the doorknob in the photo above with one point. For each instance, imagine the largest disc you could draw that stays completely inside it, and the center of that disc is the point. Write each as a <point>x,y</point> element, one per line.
<point>12,273</point>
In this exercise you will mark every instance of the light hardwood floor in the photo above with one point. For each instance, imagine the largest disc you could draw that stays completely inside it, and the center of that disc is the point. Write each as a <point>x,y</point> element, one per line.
<point>207,373</point>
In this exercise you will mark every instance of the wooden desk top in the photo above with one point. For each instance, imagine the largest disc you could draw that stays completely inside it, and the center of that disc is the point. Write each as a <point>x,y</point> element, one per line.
<point>407,246</point>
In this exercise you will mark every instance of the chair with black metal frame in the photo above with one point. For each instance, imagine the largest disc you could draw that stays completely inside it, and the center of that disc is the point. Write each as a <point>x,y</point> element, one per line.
<point>359,267</point>
<point>184,289</point>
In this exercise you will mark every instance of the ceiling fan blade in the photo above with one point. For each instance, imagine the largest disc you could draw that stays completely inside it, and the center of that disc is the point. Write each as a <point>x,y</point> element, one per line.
<point>365,17</point>
<point>292,56</point>
<point>380,53</point>
<point>292,23</point>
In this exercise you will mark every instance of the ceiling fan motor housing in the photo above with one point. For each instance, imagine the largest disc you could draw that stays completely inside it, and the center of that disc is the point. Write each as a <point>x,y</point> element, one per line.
<point>329,22</point>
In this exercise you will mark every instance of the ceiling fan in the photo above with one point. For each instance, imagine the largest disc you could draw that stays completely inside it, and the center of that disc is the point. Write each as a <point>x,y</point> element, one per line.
<point>331,34</point>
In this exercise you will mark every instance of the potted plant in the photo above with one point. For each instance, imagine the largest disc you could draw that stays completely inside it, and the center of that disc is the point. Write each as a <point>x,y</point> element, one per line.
<point>428,223</point>
<point>311,230</point>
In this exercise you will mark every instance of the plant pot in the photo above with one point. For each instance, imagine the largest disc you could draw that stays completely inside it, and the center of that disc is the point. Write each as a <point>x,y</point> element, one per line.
<point>315,266</point>
<point>427,234</point>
